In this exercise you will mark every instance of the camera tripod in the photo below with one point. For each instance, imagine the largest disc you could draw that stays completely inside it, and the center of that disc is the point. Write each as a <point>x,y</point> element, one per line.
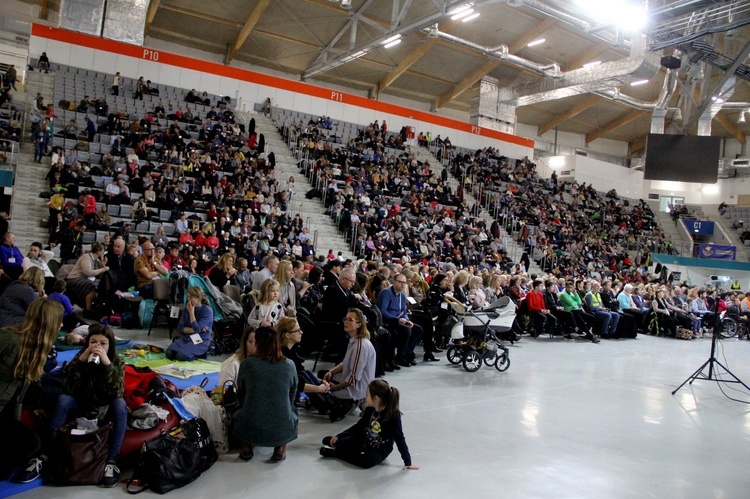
<point>713,365</point>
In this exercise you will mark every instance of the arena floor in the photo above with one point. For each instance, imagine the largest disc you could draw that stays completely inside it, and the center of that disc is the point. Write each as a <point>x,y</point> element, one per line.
<point>568,419</point>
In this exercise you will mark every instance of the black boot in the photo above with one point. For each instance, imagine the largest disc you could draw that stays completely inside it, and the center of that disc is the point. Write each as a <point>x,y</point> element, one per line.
<point>428,357</point>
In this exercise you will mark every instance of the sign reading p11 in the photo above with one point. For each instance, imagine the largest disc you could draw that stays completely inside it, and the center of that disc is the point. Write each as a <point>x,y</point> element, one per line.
<point>701,227</point>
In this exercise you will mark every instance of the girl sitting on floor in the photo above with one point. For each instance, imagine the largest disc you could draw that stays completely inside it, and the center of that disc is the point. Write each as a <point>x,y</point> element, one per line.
<point>370,441</point>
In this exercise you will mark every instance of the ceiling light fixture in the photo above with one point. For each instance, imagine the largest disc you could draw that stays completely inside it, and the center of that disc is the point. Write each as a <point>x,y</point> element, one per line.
<point>742,117</point>
<point>391,39</point>
<point>461,8</point>
<point>536,42</point>
<point>346,4</point>
<point>393,43</point>
<point>462,14</point>
<point>592,64</point>
<point>355,55</point>
<point>639,82</point>
<point>471,17</point>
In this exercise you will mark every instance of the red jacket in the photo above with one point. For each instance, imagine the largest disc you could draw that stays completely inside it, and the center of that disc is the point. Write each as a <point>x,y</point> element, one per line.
<point>535,301</point>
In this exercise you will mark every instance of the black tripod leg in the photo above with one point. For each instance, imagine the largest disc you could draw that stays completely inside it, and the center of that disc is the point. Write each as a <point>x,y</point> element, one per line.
<point>736,379</point>
<point>693,376</point>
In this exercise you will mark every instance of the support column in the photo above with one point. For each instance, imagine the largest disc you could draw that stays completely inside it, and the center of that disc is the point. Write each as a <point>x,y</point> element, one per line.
<point>488,112</point>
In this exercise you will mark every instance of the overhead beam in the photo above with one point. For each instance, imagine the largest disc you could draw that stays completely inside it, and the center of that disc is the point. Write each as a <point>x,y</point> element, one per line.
<point>637,144</point>
<point>531,35</point>
<point>150,14</point>
<point>43,10</point>
<point>731,126</point>
<point>577,109</point>
<point>467,82</point>
<point>614,124</point>
<point>247,28</point>
<point>404,65</point>
<point>198,15</point>
<point>588,56</point>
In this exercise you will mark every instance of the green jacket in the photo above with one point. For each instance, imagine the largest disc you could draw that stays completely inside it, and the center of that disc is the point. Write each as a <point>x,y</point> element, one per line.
<point>8,354</point>
<point>570,301</point>
<point>95,385</point>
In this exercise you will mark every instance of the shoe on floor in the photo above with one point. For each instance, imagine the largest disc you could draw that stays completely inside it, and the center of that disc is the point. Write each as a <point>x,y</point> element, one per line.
<point>279,454</point>
<point>111,475</point>
<point>31,473</point>
<point>327,441</point>
<point>428,357</point>
<point>327,451</point>
<point>246,452</point>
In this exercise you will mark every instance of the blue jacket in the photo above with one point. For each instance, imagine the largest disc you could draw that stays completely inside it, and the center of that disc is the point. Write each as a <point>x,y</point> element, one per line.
<point>392,305</point>
<point>204,319</point>
<point>10,252</point>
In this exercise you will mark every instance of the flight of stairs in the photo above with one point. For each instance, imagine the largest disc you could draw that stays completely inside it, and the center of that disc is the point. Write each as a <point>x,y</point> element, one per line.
<point>27,208</point>
<point>312,210</point>
<point>514,250</point>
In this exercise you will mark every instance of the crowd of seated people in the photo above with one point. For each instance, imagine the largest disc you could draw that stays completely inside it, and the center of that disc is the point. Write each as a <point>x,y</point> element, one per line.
<point>419,240</point>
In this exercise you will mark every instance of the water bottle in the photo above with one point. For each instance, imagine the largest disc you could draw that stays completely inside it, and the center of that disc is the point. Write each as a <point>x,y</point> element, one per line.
<point>94,359</point>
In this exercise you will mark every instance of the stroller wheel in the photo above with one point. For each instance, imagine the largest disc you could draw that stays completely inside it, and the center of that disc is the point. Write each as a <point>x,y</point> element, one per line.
<point>455,354</point>
<point>472,361</point>
<point>489,359</point>
<point>502,362</point>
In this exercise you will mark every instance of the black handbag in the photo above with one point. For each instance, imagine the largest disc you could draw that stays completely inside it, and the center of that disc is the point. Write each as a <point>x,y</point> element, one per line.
<point>196,430</point>
<point>165,464</point>
<point>229,399</point>
<point>78,459</point>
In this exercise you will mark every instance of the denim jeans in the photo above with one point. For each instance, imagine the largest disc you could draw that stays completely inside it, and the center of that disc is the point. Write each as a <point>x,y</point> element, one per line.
<point>117,414</point>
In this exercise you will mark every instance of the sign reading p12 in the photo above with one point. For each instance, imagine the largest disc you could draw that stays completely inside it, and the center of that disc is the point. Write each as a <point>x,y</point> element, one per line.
<point>702,227</point>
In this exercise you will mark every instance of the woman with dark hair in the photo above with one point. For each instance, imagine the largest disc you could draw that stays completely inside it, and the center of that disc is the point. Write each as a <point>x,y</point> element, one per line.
<point>370,441</point>
<point>433,304</point>
<point>231,366</point>
<point>266,388</point>
<point>94,386</point>
<point>23,353</point>
<point>311,299</point>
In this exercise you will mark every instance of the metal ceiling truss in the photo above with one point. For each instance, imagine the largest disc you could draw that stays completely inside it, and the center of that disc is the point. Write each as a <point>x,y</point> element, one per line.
<point>325,62</point>
<point>712,97</point>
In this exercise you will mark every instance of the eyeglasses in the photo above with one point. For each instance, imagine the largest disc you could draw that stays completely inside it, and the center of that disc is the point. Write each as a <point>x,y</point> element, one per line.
<point>353,281</point>
<point>295,331</point>
<point>349,319</point>
<point>400,282</point>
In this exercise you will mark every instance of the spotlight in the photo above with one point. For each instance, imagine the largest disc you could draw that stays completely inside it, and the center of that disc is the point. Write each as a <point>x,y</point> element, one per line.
<point>346,4</point>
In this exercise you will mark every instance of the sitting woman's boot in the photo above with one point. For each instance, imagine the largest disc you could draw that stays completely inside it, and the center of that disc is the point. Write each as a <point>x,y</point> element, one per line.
<point>279,454</point>
<point>246,451</point>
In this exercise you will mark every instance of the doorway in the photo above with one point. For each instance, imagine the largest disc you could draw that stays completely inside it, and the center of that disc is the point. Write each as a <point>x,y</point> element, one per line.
<point>666,202</point>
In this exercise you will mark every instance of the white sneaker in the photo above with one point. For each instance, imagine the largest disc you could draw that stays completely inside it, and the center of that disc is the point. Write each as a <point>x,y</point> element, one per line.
<point>32,471</point>
<point>111,476</point>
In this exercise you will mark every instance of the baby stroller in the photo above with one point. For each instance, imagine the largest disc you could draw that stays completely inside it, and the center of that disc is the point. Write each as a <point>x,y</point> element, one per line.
<point>475,334</point>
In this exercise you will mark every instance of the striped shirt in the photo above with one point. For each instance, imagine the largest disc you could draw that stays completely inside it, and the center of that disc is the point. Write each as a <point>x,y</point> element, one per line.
<point>359,369</point>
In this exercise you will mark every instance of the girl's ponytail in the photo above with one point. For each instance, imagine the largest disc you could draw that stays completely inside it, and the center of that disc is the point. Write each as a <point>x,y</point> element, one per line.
<point>389,395</point>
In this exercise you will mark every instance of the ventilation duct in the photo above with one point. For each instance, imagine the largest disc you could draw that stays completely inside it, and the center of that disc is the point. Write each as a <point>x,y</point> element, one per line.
<point>125,21</point>
<point>499,52</point>
<point>640,65</point>
<point>84,16</point>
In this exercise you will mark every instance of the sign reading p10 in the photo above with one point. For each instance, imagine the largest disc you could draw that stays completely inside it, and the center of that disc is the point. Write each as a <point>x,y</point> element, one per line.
<point>701,227</point>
